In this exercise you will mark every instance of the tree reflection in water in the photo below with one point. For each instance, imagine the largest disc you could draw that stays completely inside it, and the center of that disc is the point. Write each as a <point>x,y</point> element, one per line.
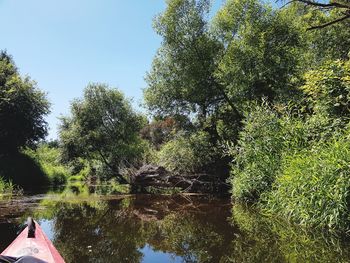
<point>180,228</point>
<point>117,230</point>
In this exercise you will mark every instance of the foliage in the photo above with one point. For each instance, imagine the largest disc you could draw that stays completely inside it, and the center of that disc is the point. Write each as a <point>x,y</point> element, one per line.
<point>79,168</point>
<point>340,7</point>
<point>6,187</point>
<point>22,109</point>
<point>328,89</point>
<point>262,51</point>
<point>210,70</point>
<point>270,133</point>
<point>258,154</point>
<point>103,128</point>
<point>330,43</point>
<point>216,72</point>
<point>23,171</point>
<point>181,80</point>
<point>313,188</point>
<point>187,153</point>
<point>158,132</point>
<point>48,158</point>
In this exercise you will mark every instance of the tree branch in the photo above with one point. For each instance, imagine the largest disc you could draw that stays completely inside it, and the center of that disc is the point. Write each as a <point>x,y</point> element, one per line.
<point>330,23</point>
<point>325,6</point>
<point>120,177</point>
<point>333,4</point>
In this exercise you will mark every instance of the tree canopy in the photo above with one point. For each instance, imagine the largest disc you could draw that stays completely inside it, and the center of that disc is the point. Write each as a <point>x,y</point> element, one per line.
<point>102,127</point>
<point>210,69</point>
<point>182,76</point>
<point>339,7</point>
<point>23,108</point>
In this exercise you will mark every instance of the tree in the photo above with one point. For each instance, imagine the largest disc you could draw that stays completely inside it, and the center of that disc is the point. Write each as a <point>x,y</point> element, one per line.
<point>339,7</point>
<point>103,127</point>
<point>210,70</point>
<point>323,43</point>
<point>262,52</point>
<point>23,108</point>
<point>182,80</point>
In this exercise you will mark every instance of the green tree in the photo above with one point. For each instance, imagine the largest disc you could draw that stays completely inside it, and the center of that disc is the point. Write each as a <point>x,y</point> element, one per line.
<point>262,51</point>
<point>182,80</point>
<point>320,44</point>
<point>340,7</point>
<point>23,108</point>
<point>210,70</point>
<point>103,128</point>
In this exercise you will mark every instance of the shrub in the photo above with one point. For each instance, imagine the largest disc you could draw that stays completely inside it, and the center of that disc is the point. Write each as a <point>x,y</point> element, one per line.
<point>270,134</point>
<point>48,159</point>
<point>314,187</point>
<point>328,88</point>
<point>161,131</point>
<point>258,154</point>
<point>187,153</point>
<point>6,187</point>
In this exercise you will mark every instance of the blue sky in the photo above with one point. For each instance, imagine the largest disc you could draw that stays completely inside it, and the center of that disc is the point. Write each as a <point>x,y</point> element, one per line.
<point>64,45</point>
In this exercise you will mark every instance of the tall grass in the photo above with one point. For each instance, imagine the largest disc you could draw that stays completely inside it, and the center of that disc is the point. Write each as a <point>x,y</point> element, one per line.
<point>257,156</point>
<point>6,187</point>
<point>295,168</point>
<point>313,188</point>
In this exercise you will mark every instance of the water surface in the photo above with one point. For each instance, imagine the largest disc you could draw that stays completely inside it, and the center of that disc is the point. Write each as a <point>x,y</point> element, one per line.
<point>149,228</point>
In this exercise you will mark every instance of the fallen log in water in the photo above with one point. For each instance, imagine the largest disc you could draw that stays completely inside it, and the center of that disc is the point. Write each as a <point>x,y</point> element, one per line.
<point>159,177</point>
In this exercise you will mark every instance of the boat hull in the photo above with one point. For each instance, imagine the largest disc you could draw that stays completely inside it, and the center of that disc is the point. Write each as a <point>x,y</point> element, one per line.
<point>39,246</point>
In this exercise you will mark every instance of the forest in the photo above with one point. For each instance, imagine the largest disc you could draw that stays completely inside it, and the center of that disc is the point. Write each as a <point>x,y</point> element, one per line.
<point>255,96</point>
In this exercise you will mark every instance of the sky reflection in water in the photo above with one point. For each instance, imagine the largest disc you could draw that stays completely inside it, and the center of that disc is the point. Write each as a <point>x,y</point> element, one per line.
<point>143,228</point>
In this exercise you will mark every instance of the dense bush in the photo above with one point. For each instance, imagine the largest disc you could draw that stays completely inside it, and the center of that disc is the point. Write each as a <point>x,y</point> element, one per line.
<point>23,171</point>
<point>258,154</point>
<point>187,153</point>
<point>160,131</point>
<point>47,159</point>
<point>269,134</point>
<point>328,88</point>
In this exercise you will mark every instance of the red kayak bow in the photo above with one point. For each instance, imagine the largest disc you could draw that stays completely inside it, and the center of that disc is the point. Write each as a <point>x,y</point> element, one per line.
<point>33,242</point>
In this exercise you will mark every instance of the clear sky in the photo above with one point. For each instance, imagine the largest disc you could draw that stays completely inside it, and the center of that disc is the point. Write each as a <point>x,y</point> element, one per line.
<point>65,44</point>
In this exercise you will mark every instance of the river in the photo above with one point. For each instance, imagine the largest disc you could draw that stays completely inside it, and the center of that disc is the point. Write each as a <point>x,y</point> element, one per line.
<point>87,227</point>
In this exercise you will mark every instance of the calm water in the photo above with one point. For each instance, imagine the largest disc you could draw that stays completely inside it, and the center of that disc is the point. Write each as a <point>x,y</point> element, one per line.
<point>145,228</point>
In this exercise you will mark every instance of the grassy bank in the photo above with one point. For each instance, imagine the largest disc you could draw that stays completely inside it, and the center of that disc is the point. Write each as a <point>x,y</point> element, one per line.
<point>294,162</point>
<point>6,187</point>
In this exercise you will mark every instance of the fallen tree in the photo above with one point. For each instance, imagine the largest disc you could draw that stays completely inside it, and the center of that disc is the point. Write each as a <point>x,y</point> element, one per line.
<point>158,177</point>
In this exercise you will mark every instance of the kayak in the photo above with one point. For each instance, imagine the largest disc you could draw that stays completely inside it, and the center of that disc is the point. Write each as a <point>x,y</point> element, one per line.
<point>33,242</point>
